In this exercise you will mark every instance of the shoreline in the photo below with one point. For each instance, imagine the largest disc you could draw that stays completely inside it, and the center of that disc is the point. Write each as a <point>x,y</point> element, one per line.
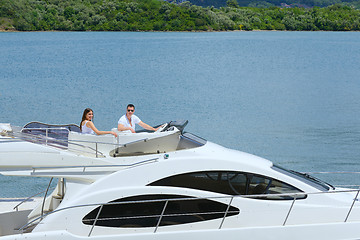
<point>256,30</point>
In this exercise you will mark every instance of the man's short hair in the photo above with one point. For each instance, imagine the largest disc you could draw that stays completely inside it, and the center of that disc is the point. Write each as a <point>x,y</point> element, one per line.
<point>130,105</point>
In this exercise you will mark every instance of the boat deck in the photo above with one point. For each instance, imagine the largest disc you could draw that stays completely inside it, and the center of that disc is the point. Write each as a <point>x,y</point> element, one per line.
<point>9,204</point>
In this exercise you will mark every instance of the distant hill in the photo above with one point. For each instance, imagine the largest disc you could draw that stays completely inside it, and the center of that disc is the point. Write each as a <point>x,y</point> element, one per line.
<point>269,3</point>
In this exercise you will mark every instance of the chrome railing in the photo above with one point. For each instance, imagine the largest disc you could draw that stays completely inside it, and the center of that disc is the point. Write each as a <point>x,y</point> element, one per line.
<point>26,132</point>
<point>28,199</point>
<point>46,139</point>
<point>97,143</point>
<point>166,201</point>
<point>85,167</point>
<point>44,199</point>
<point>56,142</point>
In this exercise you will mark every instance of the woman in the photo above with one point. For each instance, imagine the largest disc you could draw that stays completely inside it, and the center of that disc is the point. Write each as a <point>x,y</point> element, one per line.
<point>87,126</point>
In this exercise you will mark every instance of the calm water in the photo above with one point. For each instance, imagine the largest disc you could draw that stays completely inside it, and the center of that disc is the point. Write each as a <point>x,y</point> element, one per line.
<point>291,97</point>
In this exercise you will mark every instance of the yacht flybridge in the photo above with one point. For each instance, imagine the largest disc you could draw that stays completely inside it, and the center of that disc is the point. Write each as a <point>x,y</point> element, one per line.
<point>164,185</point>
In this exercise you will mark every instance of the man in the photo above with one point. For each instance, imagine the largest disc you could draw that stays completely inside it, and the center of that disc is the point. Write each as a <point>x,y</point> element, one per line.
<point>128,121</point>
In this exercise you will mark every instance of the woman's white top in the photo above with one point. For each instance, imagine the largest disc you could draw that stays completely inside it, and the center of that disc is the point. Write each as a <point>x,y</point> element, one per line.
<point>87,130</point>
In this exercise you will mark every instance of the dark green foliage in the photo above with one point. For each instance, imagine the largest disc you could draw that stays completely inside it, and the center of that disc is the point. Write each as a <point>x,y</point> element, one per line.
<point>232,3</point>
<point>155,15</point>
<point>268,3</point>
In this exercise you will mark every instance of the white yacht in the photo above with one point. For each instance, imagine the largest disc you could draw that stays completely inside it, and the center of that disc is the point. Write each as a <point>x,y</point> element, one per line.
<point>164,185</point>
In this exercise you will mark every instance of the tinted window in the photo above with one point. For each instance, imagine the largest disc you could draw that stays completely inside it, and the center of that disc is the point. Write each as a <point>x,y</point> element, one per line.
<point>129,212</point>
<point>231,183</point>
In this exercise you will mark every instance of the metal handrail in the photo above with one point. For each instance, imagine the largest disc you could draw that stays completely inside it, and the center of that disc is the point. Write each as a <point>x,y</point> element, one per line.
<point>46,132</point>
<point>291,207</point>
<point>161,216</point>
<point>28,198</point>
<point>38,138</point>
<point>43,203</point>
<point>294,195</point>
<point>97,166</point>
<point>81,141</point>
<point>226,212</point>
<point>127,202</point>
<point>116,145</point>
<point>107,143</point>
<point>56,128</point>
<point>352,205</point>
<point>46,138</point>
<point>97,216</point>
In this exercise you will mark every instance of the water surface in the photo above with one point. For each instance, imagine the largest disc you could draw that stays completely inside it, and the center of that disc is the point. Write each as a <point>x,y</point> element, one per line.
<point>291,97</point>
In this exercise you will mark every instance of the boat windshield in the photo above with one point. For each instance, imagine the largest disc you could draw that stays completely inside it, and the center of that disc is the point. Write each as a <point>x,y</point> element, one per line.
<point>56,134</point>
<point>39,125</point>
<point>304,177</point>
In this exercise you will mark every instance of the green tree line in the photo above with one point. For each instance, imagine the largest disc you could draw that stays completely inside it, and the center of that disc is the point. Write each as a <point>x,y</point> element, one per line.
<point>272,3</point>
<point>155,15</point>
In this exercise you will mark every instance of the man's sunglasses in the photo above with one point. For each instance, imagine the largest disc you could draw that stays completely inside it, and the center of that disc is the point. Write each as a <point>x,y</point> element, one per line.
<point>130,110</point>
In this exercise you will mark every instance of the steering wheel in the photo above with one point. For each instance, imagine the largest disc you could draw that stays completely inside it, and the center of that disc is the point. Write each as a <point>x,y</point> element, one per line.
<point>162,127</point>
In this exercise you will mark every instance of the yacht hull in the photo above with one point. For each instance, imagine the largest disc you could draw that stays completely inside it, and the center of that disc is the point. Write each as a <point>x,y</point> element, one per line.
<point>333,231</point>
<point>168,185</point>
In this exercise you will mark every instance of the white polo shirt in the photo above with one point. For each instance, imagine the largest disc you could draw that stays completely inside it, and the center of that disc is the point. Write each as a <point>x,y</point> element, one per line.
<point>125,121</point>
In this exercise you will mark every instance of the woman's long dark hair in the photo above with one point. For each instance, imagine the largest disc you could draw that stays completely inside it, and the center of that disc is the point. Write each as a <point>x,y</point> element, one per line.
<point>84,116</point>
